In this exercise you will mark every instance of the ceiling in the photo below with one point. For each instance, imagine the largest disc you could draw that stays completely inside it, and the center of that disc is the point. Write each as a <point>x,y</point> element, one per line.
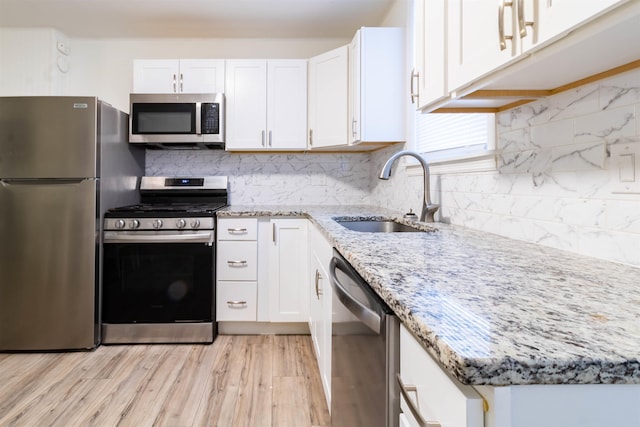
<point>196,18</point>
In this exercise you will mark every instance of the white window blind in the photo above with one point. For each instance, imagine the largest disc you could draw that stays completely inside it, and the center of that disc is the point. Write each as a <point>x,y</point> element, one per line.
<point>459,136</point>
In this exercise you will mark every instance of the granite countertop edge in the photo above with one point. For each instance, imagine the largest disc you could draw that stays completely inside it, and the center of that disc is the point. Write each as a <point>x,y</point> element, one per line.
<point>483,307</point>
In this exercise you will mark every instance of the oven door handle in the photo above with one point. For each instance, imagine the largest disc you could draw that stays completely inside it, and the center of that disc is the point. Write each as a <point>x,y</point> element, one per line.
<point>115,237</point>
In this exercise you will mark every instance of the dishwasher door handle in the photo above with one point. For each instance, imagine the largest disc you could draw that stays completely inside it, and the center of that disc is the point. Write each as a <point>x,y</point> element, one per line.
<point>369,317</point>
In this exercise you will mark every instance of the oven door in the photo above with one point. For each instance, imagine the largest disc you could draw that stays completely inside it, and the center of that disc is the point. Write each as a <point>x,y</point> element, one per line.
<point>158,278</point>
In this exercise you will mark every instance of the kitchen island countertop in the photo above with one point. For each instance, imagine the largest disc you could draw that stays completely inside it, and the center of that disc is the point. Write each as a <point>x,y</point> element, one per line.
<point>494,310</point>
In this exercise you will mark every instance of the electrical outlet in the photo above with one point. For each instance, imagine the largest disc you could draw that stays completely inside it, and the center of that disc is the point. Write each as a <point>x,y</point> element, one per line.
<point>625,168</point>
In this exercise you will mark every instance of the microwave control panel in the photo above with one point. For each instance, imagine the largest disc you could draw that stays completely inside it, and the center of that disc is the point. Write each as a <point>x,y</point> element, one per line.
<point>210,118</point>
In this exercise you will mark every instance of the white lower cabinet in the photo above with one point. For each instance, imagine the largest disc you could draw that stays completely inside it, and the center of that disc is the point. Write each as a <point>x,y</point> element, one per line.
<point>320,305</point>
<point>432,393</point>
<point>288,287</point>
<point>237,269</point>
<point>236,301</point>
<point>440,398</point>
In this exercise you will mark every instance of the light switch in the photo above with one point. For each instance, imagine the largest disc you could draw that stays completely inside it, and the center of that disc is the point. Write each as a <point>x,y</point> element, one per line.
<point>625,168</point>
<point>627,164</point>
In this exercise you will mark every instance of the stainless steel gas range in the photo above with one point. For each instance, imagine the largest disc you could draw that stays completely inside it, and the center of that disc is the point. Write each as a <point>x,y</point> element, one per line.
<point>159,263</point>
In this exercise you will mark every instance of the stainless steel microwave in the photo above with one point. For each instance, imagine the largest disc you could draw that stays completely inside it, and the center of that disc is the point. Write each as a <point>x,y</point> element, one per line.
<point>177,120</point>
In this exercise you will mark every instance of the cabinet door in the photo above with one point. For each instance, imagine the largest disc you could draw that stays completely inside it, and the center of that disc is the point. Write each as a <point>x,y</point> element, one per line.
<point>354,89</point>
<point>201,76</point>
<point>320,304</point>
<point>287,104</point>
<point>474,39</point>
<point>437,397</point>
<point>429,52</point>
<point>378,86</point>
<point>288,286</point>
<point>328,99</point>
<point>246,104</point>
<point>552,19</point>
<point>156,75</point>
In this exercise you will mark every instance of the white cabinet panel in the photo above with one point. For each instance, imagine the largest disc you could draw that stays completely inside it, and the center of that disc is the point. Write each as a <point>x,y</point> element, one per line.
<point>237,260</point>
<point>328,99</point>
<point>178,76</point>
<point>288,260</point>
<point>376,85</point>
<point>429,81</point>
<point>236,301</point>
<point>237,229</point>
<point>440,397</point>
<point>266,104</point>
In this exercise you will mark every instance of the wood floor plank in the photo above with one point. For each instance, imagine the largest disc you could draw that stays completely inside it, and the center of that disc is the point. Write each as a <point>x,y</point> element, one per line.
<point>290,402</point>
<point>229,383</point>
<point>253,408</point>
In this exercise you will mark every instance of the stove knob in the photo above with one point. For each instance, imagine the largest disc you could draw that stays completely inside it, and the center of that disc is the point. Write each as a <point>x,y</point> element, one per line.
<point>195,223</point>
<point>181,223</point>
<point>134,223</point>
<point>157,223</point>
<point>120,223</point>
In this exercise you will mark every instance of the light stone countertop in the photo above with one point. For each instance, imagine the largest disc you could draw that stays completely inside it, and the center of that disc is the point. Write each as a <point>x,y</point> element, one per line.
<point>493,310</point>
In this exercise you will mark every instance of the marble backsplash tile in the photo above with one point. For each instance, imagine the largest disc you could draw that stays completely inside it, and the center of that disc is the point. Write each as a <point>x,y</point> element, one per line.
<point>282,179</point>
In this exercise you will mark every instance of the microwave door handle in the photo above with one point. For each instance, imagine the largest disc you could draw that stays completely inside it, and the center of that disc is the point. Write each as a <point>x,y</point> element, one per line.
<point>198,118</point>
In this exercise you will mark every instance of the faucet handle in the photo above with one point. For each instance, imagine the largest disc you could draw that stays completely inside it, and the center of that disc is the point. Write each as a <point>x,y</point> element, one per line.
<point>410,216</point>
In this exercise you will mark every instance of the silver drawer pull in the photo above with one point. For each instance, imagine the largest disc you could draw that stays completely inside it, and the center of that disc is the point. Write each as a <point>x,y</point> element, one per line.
<point>405,389</point>
<point>237,263</point>
<point>233,304</point>
<point>237,230</point>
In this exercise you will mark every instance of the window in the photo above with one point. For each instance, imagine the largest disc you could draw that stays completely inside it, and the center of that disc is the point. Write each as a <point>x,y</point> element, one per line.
<point>458,142</point>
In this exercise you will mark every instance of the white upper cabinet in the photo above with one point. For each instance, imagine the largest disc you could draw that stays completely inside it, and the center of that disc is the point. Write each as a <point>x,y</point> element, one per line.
<point>428,78</point>
<point>477,41</point>
<point>328,99</point>
<point>266,104</point>
<point>376,86</point>
<point>484,36</point>
<point>178,76</point>
<point>544,20</point>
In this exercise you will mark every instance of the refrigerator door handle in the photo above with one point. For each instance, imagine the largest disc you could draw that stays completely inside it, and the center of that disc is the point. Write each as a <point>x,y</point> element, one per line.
<point>43,181</point>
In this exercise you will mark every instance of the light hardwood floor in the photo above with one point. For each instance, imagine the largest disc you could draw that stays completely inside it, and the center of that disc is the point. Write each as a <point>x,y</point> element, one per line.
<point>263,380</point>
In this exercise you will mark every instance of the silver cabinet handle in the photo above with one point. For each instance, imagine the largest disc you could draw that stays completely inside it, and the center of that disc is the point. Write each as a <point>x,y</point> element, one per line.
<point>234,303</point>
<point>273,232</point>
<point>318,289</point>
<point>174,83</point>
<point>405,389</point>
<point>354,123</point>
<point>501,36</point>
<point>181,85</point>
<point>310,137</point>
<point>522,24</point>
<point>242,263</point>
<point>270,138</point>
<point>262,139</point>
<point>415,76</point>
<point>237,230</point>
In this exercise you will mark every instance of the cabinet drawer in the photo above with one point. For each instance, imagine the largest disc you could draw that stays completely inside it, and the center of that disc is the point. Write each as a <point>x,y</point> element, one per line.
<point>236,301</point>
<point>237,260</point>
<point>441,398</point>
<point>237,228</point>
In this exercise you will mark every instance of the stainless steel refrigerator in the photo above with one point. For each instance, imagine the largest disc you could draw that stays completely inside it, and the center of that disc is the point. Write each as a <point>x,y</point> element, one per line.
<point>63,162</point>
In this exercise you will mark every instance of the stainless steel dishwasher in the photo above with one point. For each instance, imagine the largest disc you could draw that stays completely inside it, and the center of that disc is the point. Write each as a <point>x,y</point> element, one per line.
<point>365,352</point>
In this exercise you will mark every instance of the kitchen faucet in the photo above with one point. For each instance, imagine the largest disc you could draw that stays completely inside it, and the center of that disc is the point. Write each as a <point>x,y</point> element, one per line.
<point>428,208</point>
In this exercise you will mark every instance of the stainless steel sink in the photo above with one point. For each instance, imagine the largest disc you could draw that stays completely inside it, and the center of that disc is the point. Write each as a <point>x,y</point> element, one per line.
<point>377,226</point>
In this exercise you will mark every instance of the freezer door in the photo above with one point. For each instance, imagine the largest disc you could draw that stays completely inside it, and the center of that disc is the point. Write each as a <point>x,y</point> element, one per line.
<point>47,264</point>
<point>48,137</point>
